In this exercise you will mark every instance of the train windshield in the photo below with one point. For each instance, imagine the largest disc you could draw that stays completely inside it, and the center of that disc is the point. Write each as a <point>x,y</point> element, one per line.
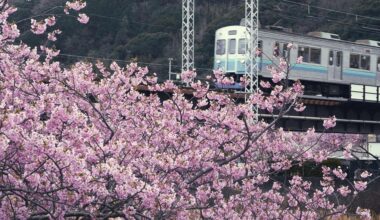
<point>220,47</point>
<point>242,46</point>
<point>232,46</point>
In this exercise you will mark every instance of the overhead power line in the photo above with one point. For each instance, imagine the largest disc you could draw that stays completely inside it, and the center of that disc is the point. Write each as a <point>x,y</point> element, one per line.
<point>360,28</point>
<point>357,16</point>
<point>328,19</point>
<point>131,21</point>
<point>45,13</point>
<point>123,61</point>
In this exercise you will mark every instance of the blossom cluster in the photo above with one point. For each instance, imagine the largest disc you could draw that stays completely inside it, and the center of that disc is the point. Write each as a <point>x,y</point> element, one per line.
<point>83,141</point>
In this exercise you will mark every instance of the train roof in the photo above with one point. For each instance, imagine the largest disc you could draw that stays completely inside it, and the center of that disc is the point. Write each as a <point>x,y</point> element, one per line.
<point>315,35</point>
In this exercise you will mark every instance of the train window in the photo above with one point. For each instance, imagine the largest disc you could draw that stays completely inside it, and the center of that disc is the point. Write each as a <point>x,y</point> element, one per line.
<point>365,62</point>
<point>315,55</point>
<point>331,58</point>
<point>276,49</point>
<point>285,50</point>
<point>220,47</point>
<point>232,46</point>
<point>310,55</point>
<point>378,64</point>
<point>339,58</point>
<point>260,48</point>
<point>234,32</point>
<point>304,52</point>
<point>260,43</point>
<point>354,61</point>
<point>242,46</point>
<point>358,61</point>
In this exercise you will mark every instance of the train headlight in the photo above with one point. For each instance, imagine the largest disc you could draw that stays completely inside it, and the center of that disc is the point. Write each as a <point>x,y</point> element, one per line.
<point>218,61</point>
<point>242,61</point>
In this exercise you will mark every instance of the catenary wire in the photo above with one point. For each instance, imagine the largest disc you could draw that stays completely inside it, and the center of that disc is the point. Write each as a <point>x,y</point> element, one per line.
<point>364,29</point>
<point>333,10</point>
<point>124,61</point>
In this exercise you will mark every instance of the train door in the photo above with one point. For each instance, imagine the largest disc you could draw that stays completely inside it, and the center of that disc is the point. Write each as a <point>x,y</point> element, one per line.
<point>378,70</point>
<point>335,64</point>
<point>231,55</point>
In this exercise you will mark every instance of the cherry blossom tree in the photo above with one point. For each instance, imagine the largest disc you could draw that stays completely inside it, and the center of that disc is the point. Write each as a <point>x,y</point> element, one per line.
<point>84,141</point>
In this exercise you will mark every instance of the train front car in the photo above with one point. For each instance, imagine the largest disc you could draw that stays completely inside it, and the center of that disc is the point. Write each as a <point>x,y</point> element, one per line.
<point>229,54</point>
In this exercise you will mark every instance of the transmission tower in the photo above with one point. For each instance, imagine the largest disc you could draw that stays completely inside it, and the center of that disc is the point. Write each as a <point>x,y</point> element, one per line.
<point>252,31</point>
<point>187,35</point>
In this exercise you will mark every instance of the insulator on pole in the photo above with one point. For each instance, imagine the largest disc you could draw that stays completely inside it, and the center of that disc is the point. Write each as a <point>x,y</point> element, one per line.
<point>187,35</point>
<point>252,32</point>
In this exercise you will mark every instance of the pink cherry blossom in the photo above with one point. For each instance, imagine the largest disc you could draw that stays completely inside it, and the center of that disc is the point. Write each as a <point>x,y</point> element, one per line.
<point>83,18</point>
<point>365,174</point>
<point>258,52</point>
<point>38,27</point>
<point>244,81</point>
<point>50,21</point>
<point>10,31</point>
<point>299,60</point>
<point>329,123</point>
<point>52,36</point>
<point>200,90</point>
<point>227,81</point>
<point>365,214</point>
<point>265,84</point>
<point>300,107</point>
<point>344,191</point>
<point>188,76</point>
<point>360,185</point>
<point>298,87</point>
<point>347,151</point>
<point>89,140</point>
<point>76,5</point>
<point>339,173</point>
<point>278,76</point>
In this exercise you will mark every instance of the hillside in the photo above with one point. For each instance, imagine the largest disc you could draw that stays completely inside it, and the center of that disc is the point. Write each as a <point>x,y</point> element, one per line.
<point>149,31</point>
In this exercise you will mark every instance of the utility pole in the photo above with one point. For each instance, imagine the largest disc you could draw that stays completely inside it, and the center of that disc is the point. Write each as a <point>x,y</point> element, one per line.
<point>252,32</point>
<point>187,35</point>
<point>170,68</point>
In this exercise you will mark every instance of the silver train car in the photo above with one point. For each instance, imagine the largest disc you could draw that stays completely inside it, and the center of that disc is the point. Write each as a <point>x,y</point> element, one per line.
<point>331,67</point>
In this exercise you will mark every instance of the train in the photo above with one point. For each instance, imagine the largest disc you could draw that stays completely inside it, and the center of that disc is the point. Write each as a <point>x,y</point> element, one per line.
<point>331,67</point>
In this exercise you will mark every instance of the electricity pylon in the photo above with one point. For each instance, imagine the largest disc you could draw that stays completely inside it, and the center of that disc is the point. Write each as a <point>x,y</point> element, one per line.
<point>187,35</point>
<point>252,32</point>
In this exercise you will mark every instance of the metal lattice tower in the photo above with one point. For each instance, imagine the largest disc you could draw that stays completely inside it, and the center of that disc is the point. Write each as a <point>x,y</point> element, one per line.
<point>252,29</point>
<point>187,35</point>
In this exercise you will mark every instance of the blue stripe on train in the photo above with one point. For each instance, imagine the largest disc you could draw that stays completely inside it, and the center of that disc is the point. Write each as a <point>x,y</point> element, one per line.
<point>310,68</point>
<point>240,68</point>
<point>358,73</point>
